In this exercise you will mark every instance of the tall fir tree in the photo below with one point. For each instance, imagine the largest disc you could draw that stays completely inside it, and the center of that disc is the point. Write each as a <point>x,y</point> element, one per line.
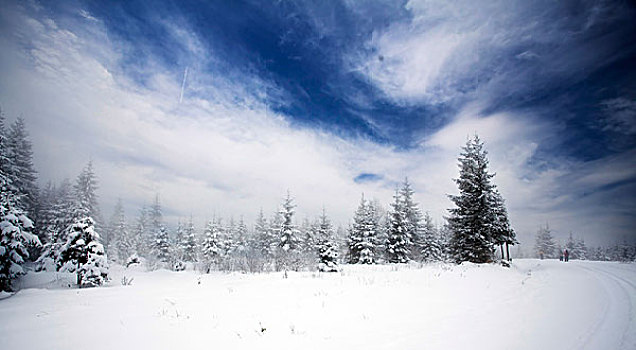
<point>473,220</point>
<point>413,217</point>
<point>21,171</point>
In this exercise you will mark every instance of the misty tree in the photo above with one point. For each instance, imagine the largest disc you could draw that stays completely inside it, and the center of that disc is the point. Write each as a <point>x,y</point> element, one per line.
<point>473,221</point>
<point>19,166</point>
<point>86,197</point>
<point>576,248</point>
<point>265,240</point>
<point>544,245</point>
<point>141,233</point>
<point>189,244</point>
<point>58,215</point>
<point>123,240</point>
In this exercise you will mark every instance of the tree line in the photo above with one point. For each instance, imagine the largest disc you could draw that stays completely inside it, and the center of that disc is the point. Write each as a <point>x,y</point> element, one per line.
<point>60,227</point>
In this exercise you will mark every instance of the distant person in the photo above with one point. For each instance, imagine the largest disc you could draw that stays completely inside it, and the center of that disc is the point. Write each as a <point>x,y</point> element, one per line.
<point>561,256</point>
<point>566,255</point>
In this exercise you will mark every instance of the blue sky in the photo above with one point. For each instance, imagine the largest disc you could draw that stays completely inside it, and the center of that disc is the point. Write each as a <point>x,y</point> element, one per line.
<point>331,99</point>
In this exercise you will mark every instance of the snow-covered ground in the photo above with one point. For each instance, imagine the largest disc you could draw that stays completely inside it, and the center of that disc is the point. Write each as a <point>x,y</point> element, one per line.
<point>533,305</point>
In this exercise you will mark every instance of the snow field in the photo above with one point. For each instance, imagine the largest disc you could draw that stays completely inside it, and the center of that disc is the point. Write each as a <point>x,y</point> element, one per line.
<point>533,305</point>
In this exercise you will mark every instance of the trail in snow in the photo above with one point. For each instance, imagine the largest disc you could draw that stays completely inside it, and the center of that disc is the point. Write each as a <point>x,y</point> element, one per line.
<point>533,305</point>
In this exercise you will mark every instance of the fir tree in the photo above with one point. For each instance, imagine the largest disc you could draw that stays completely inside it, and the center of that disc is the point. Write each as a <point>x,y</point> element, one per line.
<point>327,252</point>
<point>473,220</point>
<point>413,217</point>
<point>398,241</point>
<point>21,171</point>
<point>84,255</point>
<point>287,232</point>
<point>503,233</point>
<point>288,242</point>
<point>15,236</point>
<point>430,242</point>
<point>544,245</point>
<point>212,249</point>
<point>363,234</point>
<point>162,247</point>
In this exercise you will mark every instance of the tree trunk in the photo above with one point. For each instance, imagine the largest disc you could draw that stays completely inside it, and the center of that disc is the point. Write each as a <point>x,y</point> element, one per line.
<point>502,252</point>
<point>79,277</point>
<point>507,251</point>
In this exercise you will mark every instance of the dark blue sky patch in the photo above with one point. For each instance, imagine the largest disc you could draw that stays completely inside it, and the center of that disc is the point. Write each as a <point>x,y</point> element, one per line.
<point>367,177</point>
<point>301,48</point>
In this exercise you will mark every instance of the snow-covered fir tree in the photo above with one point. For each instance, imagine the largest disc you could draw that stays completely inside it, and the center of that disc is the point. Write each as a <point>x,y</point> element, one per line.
<point>473,220</point>
<point>398,242</point>
<point>327,252</point>
<point>212,248</point>
<point>431,249</point>
<point>162,248</point>
<point>288,240</point>
<point>363,234</point>
<point>413,217</point>
<point>15,235</point>
<point>544,245</point>
<point>83,254</point>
